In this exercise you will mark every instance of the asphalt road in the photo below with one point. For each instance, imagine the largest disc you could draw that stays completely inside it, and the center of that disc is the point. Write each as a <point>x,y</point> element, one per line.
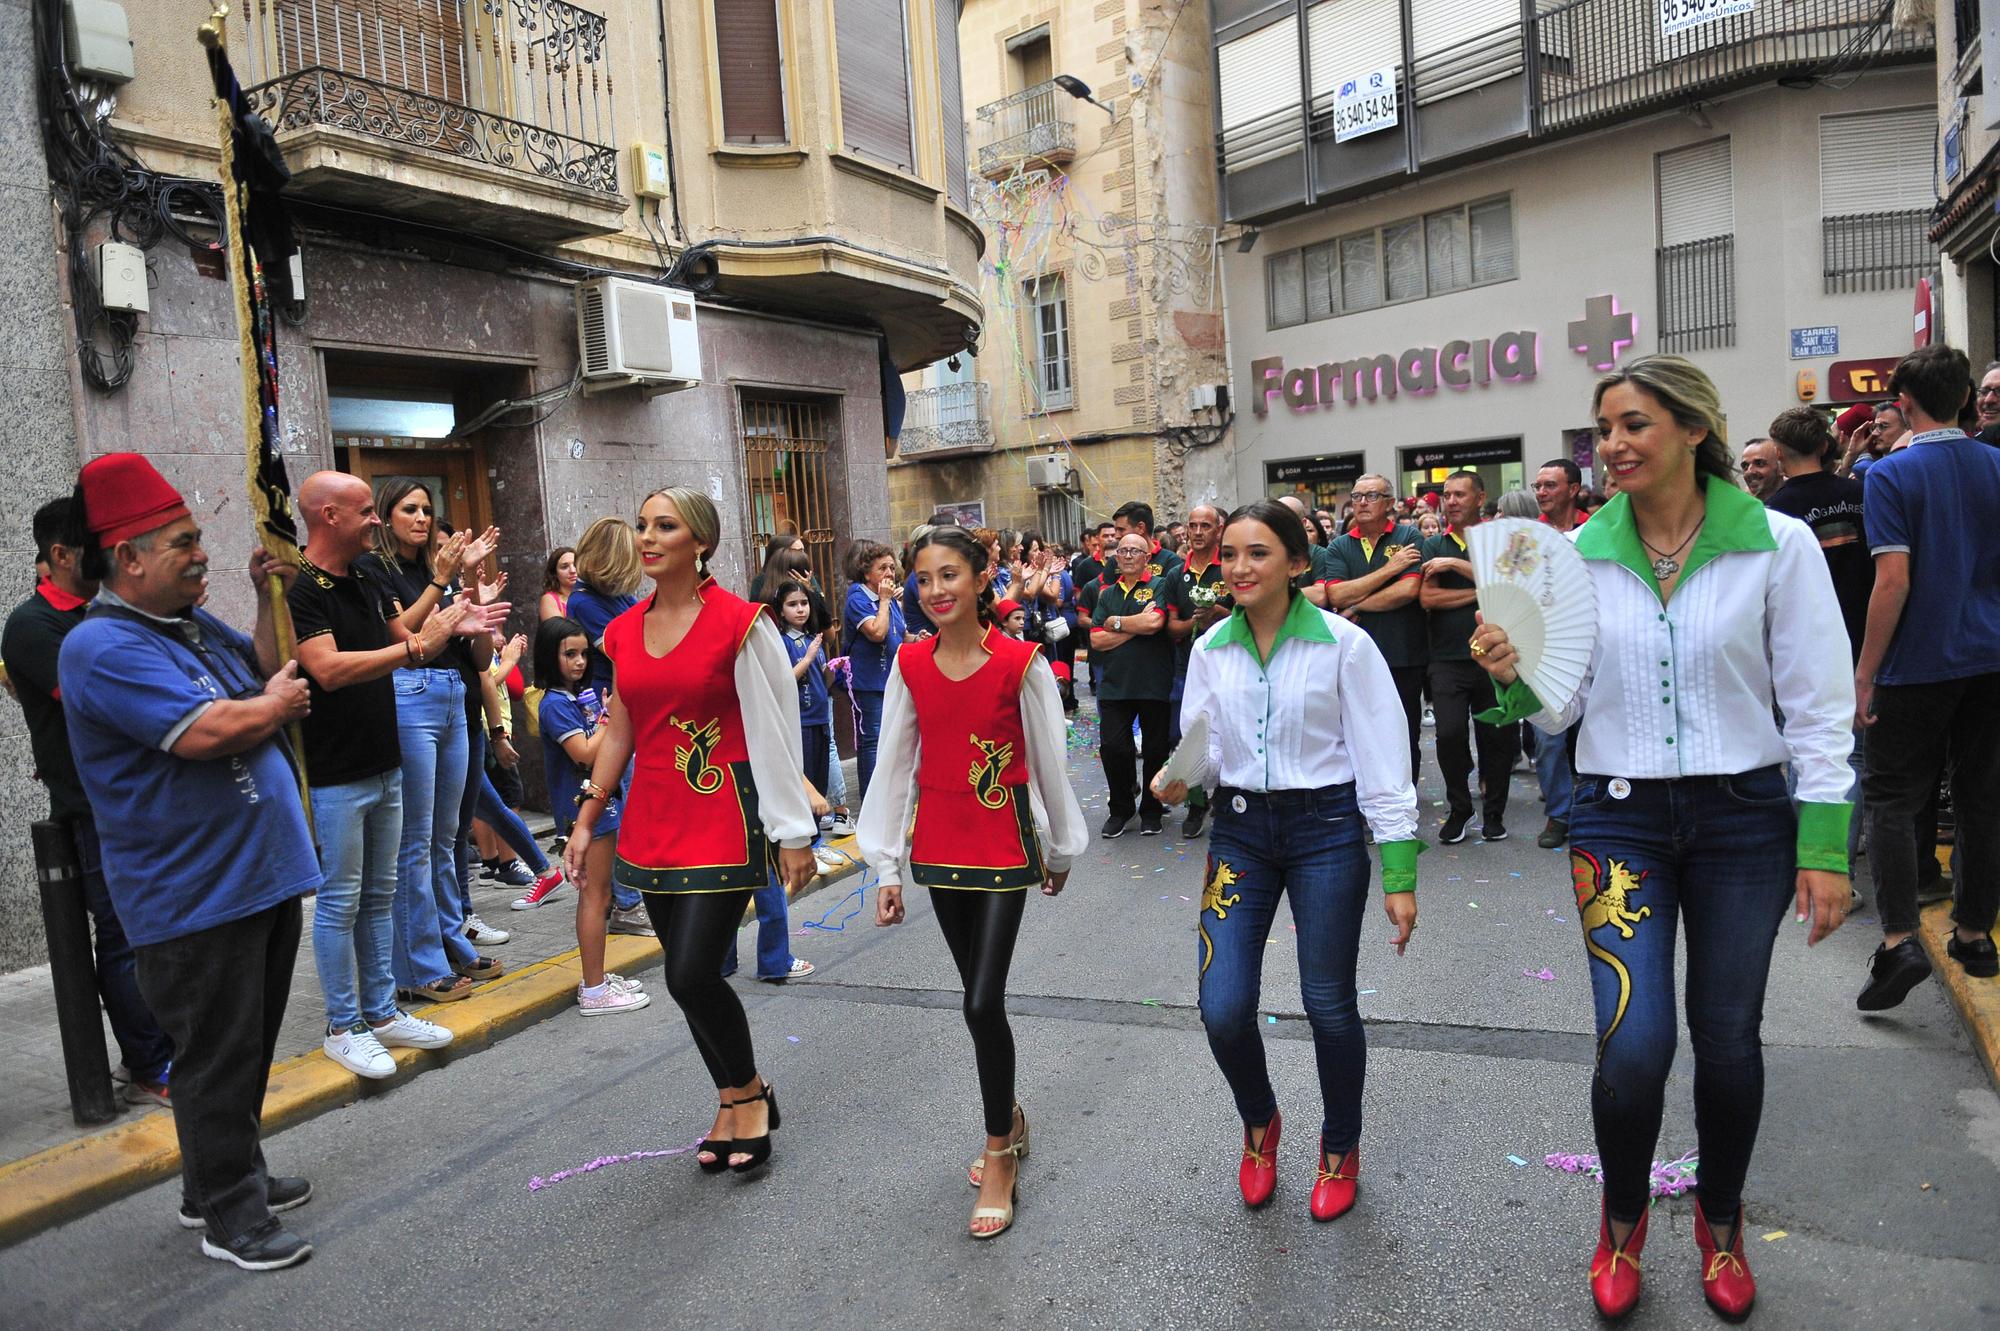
<point>1874,1198</point>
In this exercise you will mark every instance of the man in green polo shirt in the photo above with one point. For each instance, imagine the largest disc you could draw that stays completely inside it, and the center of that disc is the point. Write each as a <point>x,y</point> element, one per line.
<point>1459,688</point>
<point>1135,515</point>
<point>1377,568</point>
<point>1130,635</point>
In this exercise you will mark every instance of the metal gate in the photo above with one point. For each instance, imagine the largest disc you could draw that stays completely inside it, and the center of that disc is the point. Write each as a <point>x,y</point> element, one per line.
<point>786,442</point>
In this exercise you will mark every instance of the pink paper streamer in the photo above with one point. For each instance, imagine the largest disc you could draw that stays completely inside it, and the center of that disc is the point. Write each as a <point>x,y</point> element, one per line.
<point>1670,1178</point>
<point>537,1183</point>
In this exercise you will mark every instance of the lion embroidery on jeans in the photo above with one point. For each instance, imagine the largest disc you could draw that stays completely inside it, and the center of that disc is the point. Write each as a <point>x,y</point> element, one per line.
<point>1603,892</point>
<point>1220,876</point>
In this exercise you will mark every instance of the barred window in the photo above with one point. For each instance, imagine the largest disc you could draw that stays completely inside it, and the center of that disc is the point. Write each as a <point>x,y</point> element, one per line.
<point>1875,197</point>
<point>1695,264</point>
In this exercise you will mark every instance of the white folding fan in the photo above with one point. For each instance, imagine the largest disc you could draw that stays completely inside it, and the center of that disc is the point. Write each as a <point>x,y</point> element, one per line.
<point>1532,583</point>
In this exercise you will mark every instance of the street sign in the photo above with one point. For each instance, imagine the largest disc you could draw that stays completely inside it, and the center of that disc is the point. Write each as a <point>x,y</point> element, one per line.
<point>1364,105</point>
<point>1821,341</point>
<point>1680,15</point>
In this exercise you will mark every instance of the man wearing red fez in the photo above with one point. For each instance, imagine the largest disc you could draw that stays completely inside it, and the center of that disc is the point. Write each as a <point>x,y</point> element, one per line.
<point>175,720</point>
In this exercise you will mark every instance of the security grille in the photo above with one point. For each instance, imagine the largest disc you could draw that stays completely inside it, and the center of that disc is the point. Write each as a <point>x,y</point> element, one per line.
<point>786,447</point>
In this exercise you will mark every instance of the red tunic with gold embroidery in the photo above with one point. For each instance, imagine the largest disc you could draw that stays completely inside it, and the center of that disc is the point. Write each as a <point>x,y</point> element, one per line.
<point>974,826</point>
<point>690,821</point>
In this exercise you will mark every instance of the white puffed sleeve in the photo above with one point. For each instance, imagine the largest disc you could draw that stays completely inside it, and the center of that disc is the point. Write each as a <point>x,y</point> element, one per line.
<point>1198,699</point>
<point>1377,737</point>
<point>1811,681</point>
<point>1049,794</point>
<point>768,696</point>
<point>882,833</point>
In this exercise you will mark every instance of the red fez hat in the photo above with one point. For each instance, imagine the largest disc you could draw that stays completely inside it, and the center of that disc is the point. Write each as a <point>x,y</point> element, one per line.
<point>1433,498</point>
<point>1002,609</point>
<point>1853,418</point>
<point>124,496</point>
<point>1062,671</point>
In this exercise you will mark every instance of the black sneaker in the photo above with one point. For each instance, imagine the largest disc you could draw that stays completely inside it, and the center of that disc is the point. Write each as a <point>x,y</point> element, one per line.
<point>268,1247</point>
<point>1979,957</point>
<point>280,1194</point>
<point>1149,826</point>
<point>490,868</point>
<point>1554,834</point>
<point>1453,830</point>
<point>1892,973</point>
<point>1493,830</point>
<point>1196,819</point>
<point>1115,825</point>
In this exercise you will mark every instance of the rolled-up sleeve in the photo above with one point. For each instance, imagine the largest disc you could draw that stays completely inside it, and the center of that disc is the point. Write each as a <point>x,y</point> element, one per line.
<point>769,699</point>
<point>885,813</point>
<point>1813,687</point>
<point>1053,801</point>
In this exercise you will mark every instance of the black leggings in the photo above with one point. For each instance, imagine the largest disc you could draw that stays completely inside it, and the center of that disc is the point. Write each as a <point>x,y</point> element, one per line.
<point>696,930</point>
<point>980,928</point>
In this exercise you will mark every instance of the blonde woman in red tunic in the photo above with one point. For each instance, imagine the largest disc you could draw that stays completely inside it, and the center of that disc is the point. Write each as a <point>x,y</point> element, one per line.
<point>971,768</point>
<point>706,711</point>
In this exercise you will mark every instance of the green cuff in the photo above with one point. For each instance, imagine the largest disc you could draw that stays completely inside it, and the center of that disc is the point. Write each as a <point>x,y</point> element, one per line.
<point>1399,864</point>
<point>1823,836</point>
<point>1517,703</point>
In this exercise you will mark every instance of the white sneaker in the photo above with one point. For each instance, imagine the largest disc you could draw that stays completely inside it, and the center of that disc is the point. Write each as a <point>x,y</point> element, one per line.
<point>408,1032</point>
<point>841,827</point>
<point>360,1053</point>
<point>483,934</point>
<point>625,982</point>
<point>632,920</point>
<point>1430,717</point>
<point>829,859</point>
<point>612,998</point>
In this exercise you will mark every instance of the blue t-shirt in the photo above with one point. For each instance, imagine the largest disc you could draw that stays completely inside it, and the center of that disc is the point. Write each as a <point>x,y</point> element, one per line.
<point>1861,466</point>
<point>188,845</point>
<point>594,610</point>
<point>870,661</point>
<point>1932,501</point>
<point>913,608</point>
<point>815,706</point>
<point>561,716</point>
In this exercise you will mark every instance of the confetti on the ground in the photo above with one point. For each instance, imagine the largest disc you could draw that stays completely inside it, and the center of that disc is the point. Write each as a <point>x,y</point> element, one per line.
<point>537,1183</point>
<point>1371,991</point>
<point>1774,1236</point>
<point>1517,1162</point>
<point>1272,1020</point>
<point>1671,1178</point>
<point>1149,1002</point>
<point>1543,974</point>
<point>1512,874</point>
<point>793,1038</point>
<point>1472,905</point>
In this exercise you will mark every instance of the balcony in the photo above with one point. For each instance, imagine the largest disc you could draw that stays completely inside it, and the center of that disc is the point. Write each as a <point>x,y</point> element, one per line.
<point>952,420</point>
<point>492,116</point>
<point>1035,128</point>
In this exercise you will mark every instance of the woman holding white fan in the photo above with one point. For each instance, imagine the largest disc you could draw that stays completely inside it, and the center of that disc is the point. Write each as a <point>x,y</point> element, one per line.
<point>1714,617</point>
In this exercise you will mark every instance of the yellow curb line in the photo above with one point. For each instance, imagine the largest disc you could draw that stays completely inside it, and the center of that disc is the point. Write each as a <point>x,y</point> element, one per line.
<point>1977,1001</point>
<point>66,1182</point>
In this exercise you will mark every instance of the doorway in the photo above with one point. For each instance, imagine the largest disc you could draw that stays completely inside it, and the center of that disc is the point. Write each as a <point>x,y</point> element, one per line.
<point>391,421</point>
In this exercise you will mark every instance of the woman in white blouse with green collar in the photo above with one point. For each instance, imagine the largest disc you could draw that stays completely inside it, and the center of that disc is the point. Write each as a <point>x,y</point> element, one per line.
<point>1306,741</point>
<point>1716,617</point>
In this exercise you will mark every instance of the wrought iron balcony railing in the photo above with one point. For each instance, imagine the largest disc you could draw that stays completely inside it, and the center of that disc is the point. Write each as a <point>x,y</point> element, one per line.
<point>1876,251</point>
<point>523,85</point>
<point>1034,127</point>
<point>951,418</point>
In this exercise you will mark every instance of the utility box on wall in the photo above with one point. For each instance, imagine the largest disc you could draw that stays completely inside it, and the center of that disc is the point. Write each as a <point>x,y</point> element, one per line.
<point>98,40</point>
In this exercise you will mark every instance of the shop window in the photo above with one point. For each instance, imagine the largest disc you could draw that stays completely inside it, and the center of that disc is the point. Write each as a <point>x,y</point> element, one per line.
<point>1048,314</point>
<point>871,40</point>
<point>750,67</point>
<point>787,442</point>
<point>1696,261</point>
<point>1875,197</point>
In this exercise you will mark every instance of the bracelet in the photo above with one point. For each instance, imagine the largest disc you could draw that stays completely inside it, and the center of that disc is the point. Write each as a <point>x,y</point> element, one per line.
<point>590,790</point>
<point>410,652</point>
<point>499,732</point>
<point>441,586</point>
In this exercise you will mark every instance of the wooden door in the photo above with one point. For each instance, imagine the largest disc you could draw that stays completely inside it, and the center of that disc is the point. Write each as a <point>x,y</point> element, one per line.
<point>456,480</point>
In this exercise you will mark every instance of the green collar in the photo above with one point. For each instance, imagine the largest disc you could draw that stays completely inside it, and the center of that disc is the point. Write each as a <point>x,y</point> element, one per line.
<point>1735,520</point>
<point>1302,620</point>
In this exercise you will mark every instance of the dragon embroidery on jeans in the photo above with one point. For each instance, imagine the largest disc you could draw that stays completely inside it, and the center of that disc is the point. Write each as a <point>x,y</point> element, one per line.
<point>697,761</point>
<point>985,773</point>
<point>1603,893</point>
<point>1220,876</point>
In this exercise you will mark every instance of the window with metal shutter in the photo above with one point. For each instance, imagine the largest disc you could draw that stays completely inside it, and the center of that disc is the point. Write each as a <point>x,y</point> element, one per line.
<point>1284,289</point>
<point>1439,25</point>
<point>1258,75</point>
<point>413,44</point>
<point>751,68</point>
<point>872,43</point>
<point>1348,38</point>
<point>1876,162</point>
<point>951,95</point>
<point>1697,197</point>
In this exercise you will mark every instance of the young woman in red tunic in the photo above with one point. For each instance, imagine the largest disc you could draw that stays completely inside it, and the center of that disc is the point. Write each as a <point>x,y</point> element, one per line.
<point>706,711</point>
<point>971,768</point>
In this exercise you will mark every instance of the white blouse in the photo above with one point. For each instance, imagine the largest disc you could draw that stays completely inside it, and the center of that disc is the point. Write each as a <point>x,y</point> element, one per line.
<point>883,830</point>
<point>1322,712</point>
<point>768,697</point>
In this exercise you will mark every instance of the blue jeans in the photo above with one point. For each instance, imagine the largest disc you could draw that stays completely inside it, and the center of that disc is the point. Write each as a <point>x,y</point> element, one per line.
<point>493,811</point>
<point>430,723</point>
<point>359,826</point>
<point>143,1047</point>
<point>1553,771</point>
<point>1304,844</point>
<point>774,938</point>
<point>1719,854</point>
<point>867,730</point>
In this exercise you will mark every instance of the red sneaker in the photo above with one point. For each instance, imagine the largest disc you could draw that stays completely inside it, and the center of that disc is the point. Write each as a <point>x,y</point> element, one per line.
<point>1258,1174</point>
<point>1614,1271</point>
<point>1333,1190</point>
<point>545,883</point>
<point>1726,1281</point>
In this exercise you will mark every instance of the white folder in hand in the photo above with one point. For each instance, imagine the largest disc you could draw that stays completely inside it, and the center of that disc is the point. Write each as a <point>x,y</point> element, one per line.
<point>1186,762</point>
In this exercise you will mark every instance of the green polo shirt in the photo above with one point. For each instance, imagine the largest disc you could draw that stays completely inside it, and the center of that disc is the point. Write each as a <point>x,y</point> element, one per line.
<point>1164,563</point>
<point>1141,668</point>
<point>1322,567</point>
<point>1400,633</point>
<point>1451,630</point>
<point>1201,589</point>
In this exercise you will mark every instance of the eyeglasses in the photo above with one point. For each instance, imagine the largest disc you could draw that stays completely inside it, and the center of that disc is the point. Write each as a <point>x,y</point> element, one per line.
<point>1989,392</point>
<point>1370,497</point>
<point>1124,550</point>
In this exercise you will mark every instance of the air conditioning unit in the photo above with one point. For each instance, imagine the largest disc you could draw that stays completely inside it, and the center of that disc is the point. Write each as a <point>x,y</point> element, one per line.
<point>637,334</point>
<point>1050,472</point>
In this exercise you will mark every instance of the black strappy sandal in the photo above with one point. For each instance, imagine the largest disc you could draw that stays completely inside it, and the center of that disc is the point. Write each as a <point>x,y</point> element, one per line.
<point>757,1148</point>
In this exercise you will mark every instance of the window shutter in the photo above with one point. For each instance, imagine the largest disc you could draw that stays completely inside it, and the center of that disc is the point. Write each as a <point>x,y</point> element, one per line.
<point>951,97</point>
<point>751,68</point>
<point>1492,240</point>
<point>1285,289</point>
<point>1258,75</point>
<point>1697,199</point>
<point>873,48</point>
<point>413,44</point>
<point>1322,281</point>
<point>1349,38</point>
<point>1450,256</point>
<point>1439,25</point>
<point>1403,259</point>
<point>1360,273</point>
<point>1876,162</point>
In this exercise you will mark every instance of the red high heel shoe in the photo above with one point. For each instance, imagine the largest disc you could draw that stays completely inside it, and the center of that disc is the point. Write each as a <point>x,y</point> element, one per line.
<point>1614,1271</point>
<point>1333,1190</point>
<point>1726,1281</point>
<point>1258,1174</point>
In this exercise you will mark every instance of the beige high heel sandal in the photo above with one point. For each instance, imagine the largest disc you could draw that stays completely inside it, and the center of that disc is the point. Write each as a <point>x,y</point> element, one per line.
<point>976,1173</point>
<point>1004,1214</point>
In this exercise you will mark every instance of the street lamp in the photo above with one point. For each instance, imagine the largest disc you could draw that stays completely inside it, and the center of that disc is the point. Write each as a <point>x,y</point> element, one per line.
<point>1080,90</point>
